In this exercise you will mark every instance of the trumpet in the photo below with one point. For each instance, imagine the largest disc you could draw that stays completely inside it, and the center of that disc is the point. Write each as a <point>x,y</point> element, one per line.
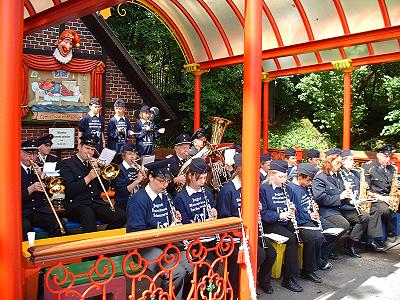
<point>52,189</point>
<point>108,172</point>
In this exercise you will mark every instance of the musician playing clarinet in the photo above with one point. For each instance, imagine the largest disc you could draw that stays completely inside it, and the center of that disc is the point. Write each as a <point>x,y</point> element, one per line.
<point>82,202</point>
<point>129,178</point>
<point>351,177</point>
<point>147,132</point>
<point>307,216</point>
<point>151,208</point>
<point>228,205</point>
<point>35,211</point>
<point>278,216</point>
<point>334,198</point>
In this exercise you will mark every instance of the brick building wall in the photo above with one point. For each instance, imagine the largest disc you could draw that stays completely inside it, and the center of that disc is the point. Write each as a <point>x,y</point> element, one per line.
<point>116,84</point>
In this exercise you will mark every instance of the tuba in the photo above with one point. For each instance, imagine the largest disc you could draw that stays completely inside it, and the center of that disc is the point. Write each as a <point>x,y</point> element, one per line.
<point>394,193</point>
<point>218,128</point>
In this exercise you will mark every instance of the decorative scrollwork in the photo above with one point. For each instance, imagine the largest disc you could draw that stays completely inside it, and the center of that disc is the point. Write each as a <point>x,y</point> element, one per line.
<point>225,246</point>
<point>134,265</point>
<point>170,257</point>
<point>58,279</point>
<point>212,286</point>
<point>196,251</point>
<point>103,268</point>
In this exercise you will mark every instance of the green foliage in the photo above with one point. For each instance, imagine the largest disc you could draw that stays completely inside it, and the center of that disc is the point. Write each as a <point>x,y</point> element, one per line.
<point>300,133</point>
<point>392,86</point>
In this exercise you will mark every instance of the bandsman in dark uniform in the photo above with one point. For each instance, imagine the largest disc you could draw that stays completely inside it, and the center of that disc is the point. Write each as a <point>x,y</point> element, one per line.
<point>151,208</point>
<point>379,175</point>
<point>291,158</point>
<point>313,157</point>
<point>265,162</point>
<point>307,215</point>
<point>276,216</point>
<point>334,200</point>
<point>351,177</point>
<point>198,141</point>
<point>129,178</point>
<point>93,123</point>
<point>35,209</point>
<point>44,148</point>
<point>119,128</point>
<point>228,205</point>
<point>82,202</point>
<point>147,132</point>
<point>181,155</point>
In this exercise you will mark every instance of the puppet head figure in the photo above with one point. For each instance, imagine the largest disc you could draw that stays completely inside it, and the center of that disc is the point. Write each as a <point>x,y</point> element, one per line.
<point>67,40</point>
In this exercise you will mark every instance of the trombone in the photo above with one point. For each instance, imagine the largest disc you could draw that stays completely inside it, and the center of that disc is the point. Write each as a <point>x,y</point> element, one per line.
<point>57,188</point>
<point>107,172</point>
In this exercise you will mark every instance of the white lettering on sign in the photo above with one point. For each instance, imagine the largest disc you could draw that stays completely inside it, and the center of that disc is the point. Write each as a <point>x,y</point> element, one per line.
<point>64,138</point>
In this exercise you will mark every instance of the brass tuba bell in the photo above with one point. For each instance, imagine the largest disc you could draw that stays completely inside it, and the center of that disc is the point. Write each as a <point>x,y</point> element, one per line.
<point>54,185</point>
<point>218,128</point>
<point>110,172</point>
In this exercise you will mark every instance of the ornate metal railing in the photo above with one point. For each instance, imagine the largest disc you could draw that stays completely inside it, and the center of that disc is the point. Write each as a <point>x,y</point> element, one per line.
<point>121,265</point>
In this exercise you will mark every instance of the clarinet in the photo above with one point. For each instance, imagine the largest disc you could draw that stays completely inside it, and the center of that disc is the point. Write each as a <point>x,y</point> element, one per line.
<point>208,205</point>
<point>289,206</point>
<point>312,206</point>
<point>261,228</point>
<point>171,206</point>
<point>354,200</point>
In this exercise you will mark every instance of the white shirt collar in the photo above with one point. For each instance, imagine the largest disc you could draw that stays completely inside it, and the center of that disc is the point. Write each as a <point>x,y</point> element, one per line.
<point>236,182</point>
<point>92,115</point>
<point>143,121</point>
<point>191,190</point>
<point>263,172</point>
<point>151,193</point>
<point>119,118</point>
<point>125,164</point>
<point>25,167</point>
<point>83,161</point>
<point>274,186</point>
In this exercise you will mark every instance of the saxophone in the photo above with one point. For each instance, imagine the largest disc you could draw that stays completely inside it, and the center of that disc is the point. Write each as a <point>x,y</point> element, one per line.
<point>394,193</point>
<point>364,194</point>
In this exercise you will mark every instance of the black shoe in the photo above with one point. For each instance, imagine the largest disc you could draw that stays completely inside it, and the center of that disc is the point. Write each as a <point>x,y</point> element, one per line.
<point>267,288</point>
<point>373,246</point>
<point>380,244</point>
<point>311,276</point>
<point>291,285</point>
<point>351,249</point>
<point>326,266</point>
<point>333,256</point>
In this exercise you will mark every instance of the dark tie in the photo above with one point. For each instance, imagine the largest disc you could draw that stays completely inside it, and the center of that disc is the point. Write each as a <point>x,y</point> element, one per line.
<point>28,171</point>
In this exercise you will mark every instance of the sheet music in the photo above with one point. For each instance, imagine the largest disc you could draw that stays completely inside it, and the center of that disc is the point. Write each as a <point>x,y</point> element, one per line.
<point>49,168</point>
<point>333,231</point>
<point>280,239</point>
<point>107,155</point>
<point>146,159</point>
<point>229,154</point>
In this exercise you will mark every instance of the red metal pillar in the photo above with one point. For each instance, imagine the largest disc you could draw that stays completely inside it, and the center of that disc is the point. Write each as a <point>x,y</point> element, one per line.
<point>251,132</point>
<point>266,81</point>
<point>11,32</point>
<point>347,110</point>
<point>194,69</point>
<point>196,109</point>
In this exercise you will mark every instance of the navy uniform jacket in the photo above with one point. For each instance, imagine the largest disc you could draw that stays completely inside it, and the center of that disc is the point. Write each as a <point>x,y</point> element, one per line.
<point>327,190</point>
<point>93,125</point>
<point>175,166</point>
<point>292,173</point>
<point>124,178</point>
<point>273,202</point>
<point>379,180</point>
<point>35,202</point>
<point>229,200</point>
<point>117,133</point>
<point>145,139</point>
<point>301,199</point>
<point>144,214</point>
<point>76,191</point>
<point>263,176</point>
<point>193,208</point>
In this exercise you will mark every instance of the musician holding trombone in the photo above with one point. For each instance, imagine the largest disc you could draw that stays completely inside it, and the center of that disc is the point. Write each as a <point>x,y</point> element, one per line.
<point>35,210</point>
<point>314,243</point>
<point>129,178</point>
<point>82,202</point>
<point>278,216</point>
<point>228,205</point>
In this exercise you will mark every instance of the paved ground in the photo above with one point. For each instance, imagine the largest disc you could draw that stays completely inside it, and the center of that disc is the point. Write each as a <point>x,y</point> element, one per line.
<point>374,276</point>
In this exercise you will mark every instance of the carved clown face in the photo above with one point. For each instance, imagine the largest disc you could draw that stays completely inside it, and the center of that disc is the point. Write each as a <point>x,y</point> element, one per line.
<point>65,45</point>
